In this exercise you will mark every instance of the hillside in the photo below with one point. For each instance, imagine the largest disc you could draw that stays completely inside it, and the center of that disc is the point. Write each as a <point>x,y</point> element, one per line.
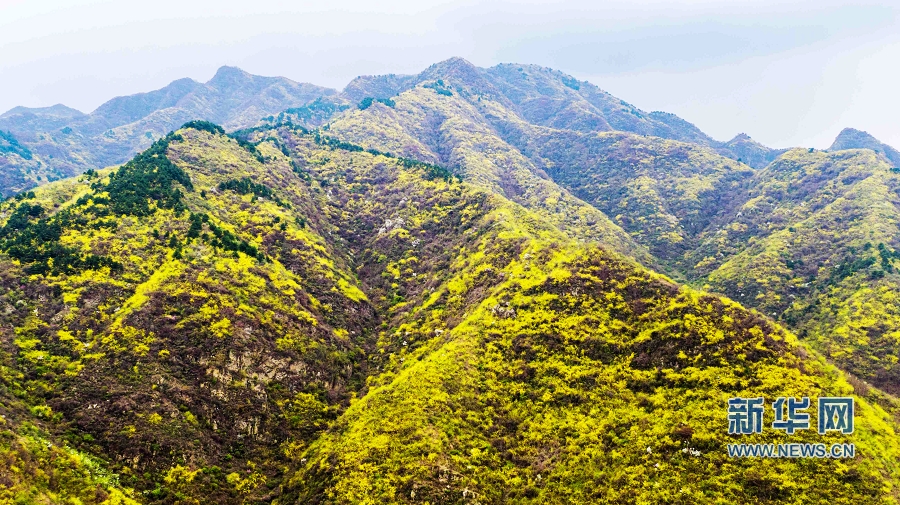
<point>664,193</point>
<point>809,239</point>
<point>813,244</point>
<point>659,193</point>
<point>538,95</point>
<point>288,317</point>
<point>452,129</point>
<point>542,96</point>
<point>63,142</point>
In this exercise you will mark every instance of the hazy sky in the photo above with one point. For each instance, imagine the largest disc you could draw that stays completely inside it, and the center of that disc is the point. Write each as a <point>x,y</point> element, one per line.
<point>786,73</point>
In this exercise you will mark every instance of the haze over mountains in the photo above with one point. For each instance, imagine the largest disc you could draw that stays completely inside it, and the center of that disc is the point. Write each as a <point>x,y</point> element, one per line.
<point>62,142</point>
<point>439,288</point>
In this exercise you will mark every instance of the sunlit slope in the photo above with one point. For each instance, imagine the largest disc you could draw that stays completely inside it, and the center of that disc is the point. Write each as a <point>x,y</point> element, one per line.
<point>184,315</point>
<point>815,244</point>
<point>210,307</point>
<point>580,378</point>
<point>38,467</point>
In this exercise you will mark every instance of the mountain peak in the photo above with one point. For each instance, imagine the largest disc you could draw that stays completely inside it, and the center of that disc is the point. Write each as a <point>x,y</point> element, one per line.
<point>227,75</point>
<point>851,138</point>
<point>58,110</point>
<point>453,63</point>
<point>453,67</point>
<point>740,137</point>
<point>458,70</point>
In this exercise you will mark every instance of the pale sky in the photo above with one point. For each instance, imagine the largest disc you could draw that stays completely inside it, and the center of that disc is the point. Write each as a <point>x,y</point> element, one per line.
<point>788,73</point>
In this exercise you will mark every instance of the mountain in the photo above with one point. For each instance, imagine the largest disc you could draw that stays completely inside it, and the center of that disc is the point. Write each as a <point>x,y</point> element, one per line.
<point>539,95</point>
<point>43,117</point>
<point>63,142</point>
<point>813,243</point>
<point>648,189</point>
<point>809,239</point>
<point>545,97</point>
<point>747,150</point>
<point>282,316</point>
<point>438,288</point>
<point>664,193</point>
<point>856,139</point>
<point>453,128</point>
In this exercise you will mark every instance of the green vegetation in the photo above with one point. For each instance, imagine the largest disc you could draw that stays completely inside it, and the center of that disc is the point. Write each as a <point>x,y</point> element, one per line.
<point>36,243</point>
<point>439,87</point>
<point>245,186</point>
<point>368,101</point>
<point>311,115</point>
<point>205,126</point>
<point>789,239</point>
<point>149,177</point>
<point>467,142</point>
<point>435,302</point>
<point>9,144</point>
<point>571,82</point>
<point>581,379</point>
<point>372,333</point>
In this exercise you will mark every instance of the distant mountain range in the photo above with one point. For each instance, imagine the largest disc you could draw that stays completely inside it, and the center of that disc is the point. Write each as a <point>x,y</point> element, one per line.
<point>62,142</point>
<point>58,141</point>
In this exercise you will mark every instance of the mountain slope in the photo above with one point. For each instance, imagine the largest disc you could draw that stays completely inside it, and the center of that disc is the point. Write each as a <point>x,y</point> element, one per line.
<point>665,193</point>
<point>703,217</point>
<point>65,142</point>
<point>539,95</point>
<point>450,128</point>
<point>199,344</point>
<point>289,317</point>
<point>814,244</point>
<point>459,121</point>
<point>545,97</point>
<point>38,467</point>
<point>580,379</point>
<point>790,239</point>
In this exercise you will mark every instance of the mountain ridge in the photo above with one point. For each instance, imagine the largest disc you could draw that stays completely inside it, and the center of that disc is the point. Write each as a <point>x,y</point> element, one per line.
<point>124,125</point>
<point>65,142</point>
